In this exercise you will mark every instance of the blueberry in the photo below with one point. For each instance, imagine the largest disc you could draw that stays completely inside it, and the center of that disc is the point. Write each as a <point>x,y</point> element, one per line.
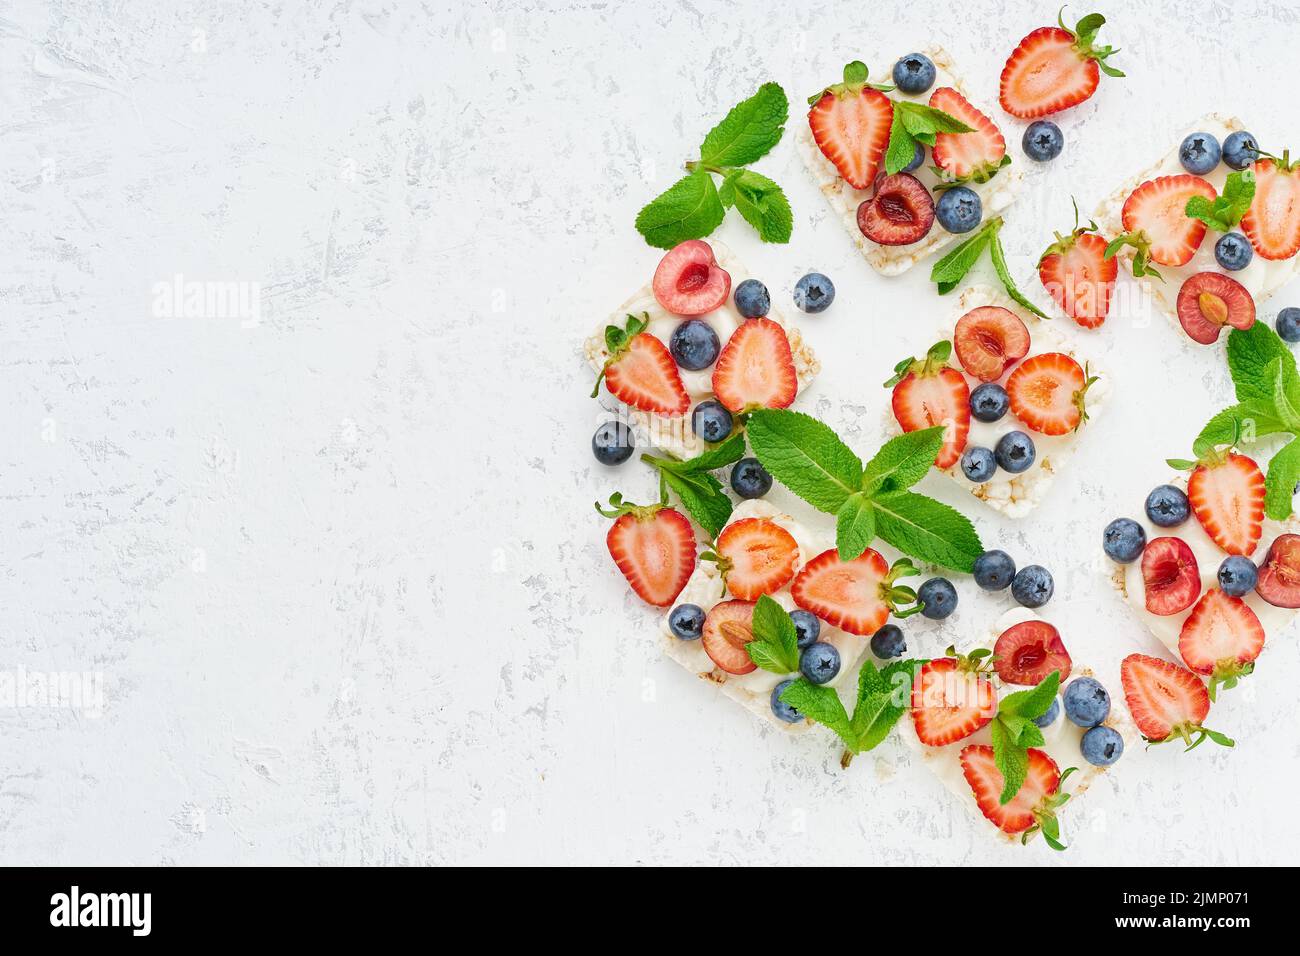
<point>1015,452</point>
<point>711,421</point>
<point>1288,324</point>
<point>1199,153</point>
<point>783,710</point>
<point>959,209</point>
<point>914,73</point>
<point>1237,575</point>
<point>819,662</point>
<point>1233,251</point>
<point>1167,506</point>
<point>918,157</point>
<point>938,597</point>
<point>978,464</point>
<point>749,479</point>
<point>752,299</point>
<point>694,345</point>
<point>989,402</point>
<point>613,443</point>
<point>1102,746</point>
<point>1048,718</point>
<point>1123,540</point>
<point>1032,586</point>
<point>994,570</point>
<point>1043,141</point>
<point>1086,702</point>
<point>888,642</point>
<point>806,627</point>
<point>687,622</point>
<point>1240,150</point>
<point>814,293</point>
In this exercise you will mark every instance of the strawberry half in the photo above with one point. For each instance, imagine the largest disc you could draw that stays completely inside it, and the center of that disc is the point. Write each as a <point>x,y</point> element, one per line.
<point>1028,652</point>
<point>1049,392</point>
<point>1221,638</point>
<point>1226,491</point>
<point>1054,68</point>
<point>756,557</point>
<point>756,368</point>
<point>952,698</point>
<point>1170,576</point>
<point>1156,223</point>
<point>640,370</point>
<point>966,157</point>
<point>654,547</point>
<point>1032,808</point>
<point>1167,701</point>
<point>989,340</point>
<point>1077,275</point>
<point>850,123</point>
<point>856,596</point>
<point>929,392</point>
<point>728,627</point>
<point>1272,223</point>
<point>1279,575</point>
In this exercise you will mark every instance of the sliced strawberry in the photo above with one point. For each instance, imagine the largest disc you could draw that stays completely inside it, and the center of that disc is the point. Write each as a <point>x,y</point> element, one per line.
<point>1028,652</point>
<point>1166,701</point>
<point>900,213</point>
<point>1076,273</point>
<point>1054,68</point>
<point>728,627</point>
<point>757,557</point>
<point>1210,300</point>
<point>850,122</point>
<point>973,156</point>
<point>929,392</point>
<point>756,368</point>
<point>1170,576</point>
<point>1036,801</point>
<point>951,699</point>
<point>1279,575</point>
<point>845,594</point>
<point>654,547</point>
<point>1157,225</point>
<point>1048,393</point>
<point>689,281</point>
<point>989,340</point>
<point>1272,224</point>
<point>640,370</point>
<point>1227,496</point>
<point>1221,638</point>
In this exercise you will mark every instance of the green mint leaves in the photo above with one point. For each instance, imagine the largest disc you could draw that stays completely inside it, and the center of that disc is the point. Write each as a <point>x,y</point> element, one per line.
<point>1014,732</point>
<point>883,697</point>
<point>701,494</point>
<point>1085,36</point>
<point>1225,211</point>
<point>948,272</point>
<point>695,205</point>
<point>1268,403</point>
<point>871,500</point>
<point>775,645</point>
<point>916,123</point>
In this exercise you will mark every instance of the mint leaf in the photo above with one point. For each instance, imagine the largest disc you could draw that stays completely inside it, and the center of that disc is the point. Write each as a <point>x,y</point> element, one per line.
<point>688,209</point>
<point>702,496</point>
<point>806,456</point>
<point>761,202</point>
<point>749,131</point>
<point>1000,267</point>
<point>948,272</point>
<point>1249,353</point>
<point>855,526</point>
<point>903,461</point>
<point>728,453</point>
<point>883,697</point>
<point>1011,759</point>
<point>916,123</point>
<point>1280,482</point>
<point>901,147</point>
<point>1034,702</point>
<point>927,529</point>
<point>1226,209</point>
<point>775,645</point>
<point>1245,421</point>
<point>821,704</point>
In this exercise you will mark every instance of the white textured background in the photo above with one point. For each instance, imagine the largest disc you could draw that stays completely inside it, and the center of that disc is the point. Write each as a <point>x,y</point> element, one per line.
<point>340,570</point>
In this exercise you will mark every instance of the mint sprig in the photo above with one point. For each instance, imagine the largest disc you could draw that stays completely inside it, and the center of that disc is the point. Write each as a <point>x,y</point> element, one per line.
<point>949,271</point>
<point>694,206</point>
<point>775,645</point>
<point>1225,210</point>
<point>916,123</point>
<point>871,500</point>
<point>700,493</point>
<point>1014,732</point>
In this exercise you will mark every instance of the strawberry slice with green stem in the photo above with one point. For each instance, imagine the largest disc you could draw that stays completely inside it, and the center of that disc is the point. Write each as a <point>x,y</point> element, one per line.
<point>756,556</point>
<point>1049,393</point>
<point>856,596</point>
<point>640,370</point>
<point>653,545</point>
<point>1157,226</point>
<point>1226,491</point>
<point>974,156</point>
<point>953,697</point>
<point>1054,68</point>
<point>1272,224</point>
<point>1077,275</point>
<point>1167,702</point>
<point>1221,639</point>
<point>850,122</point>
<point>929,392</point>
<point>1037,800</point>
<point>756,368</point>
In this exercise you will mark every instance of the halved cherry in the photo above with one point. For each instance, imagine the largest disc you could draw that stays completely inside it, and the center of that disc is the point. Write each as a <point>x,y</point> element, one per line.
<point>689,281</point>
<point>1279,575</point>
<point>899,214</point>
<point>989,340</point>
<point>1210,300</point>
<point>728,627</point>
<point>1028,652</point>
<point>1171,576</point>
